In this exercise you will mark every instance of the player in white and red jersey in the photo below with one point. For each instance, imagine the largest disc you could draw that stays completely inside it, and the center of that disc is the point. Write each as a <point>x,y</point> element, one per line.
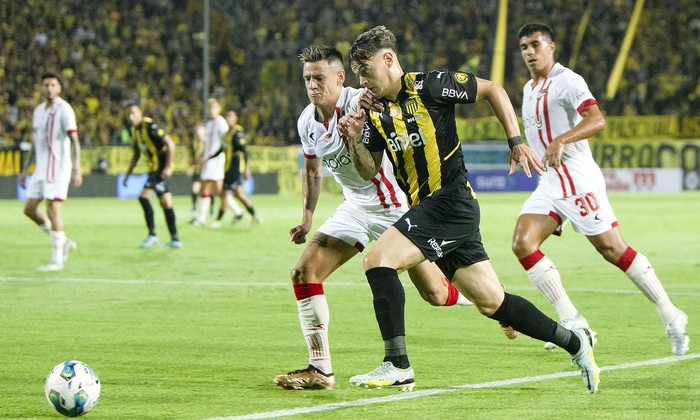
<point>369,208</point>
<point>53,130</point>
<point>212,160</point>
<point>560,114</point>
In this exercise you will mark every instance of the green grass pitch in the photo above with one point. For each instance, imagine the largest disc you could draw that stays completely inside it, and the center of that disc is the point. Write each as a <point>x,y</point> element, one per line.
<point>200,332</point>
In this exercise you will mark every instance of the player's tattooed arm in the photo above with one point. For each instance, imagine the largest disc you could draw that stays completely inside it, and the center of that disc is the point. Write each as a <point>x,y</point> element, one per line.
<point>367,163</point>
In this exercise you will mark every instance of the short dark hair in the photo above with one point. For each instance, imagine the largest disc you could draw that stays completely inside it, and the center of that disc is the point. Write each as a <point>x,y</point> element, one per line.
<point>314,53</point>
<point>51,75</point>
<point>368,43</point>
<point>531,28</point>
<point>132,102</point>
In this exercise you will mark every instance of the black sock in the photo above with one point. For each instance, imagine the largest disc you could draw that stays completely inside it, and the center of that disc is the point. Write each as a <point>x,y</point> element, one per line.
<point>220,215</point>
<point>170,219</point>
<point>389,300</point>
<point>251,210</point>
<point>400,362</point>
<point>522,315</point>
<point>194,200</point>
<point>148,213</point>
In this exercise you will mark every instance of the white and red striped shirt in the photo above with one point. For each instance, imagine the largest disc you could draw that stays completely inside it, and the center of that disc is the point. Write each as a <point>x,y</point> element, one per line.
<point>51,125</point>
<point>322,140</point>
<point>553,107</point>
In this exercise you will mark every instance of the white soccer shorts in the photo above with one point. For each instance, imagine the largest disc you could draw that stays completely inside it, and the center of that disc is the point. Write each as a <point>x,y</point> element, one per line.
<point>213,169</point>
<point>357,226</point>
<point>56,190</point>
<point>590,213</point>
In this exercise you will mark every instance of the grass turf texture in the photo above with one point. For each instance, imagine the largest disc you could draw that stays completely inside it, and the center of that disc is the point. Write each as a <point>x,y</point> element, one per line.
<point>200,332</point>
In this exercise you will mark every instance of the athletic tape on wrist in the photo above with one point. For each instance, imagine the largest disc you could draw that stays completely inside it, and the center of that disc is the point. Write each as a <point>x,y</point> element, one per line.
<point>514,141</point>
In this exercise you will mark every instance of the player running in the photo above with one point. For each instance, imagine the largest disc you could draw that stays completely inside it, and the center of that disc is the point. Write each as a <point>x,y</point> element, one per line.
<point>560,114</point>
<point>369,208</point>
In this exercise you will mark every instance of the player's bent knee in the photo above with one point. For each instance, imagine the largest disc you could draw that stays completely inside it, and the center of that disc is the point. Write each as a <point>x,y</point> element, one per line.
<point>300,275</point>
<point>435,299</point>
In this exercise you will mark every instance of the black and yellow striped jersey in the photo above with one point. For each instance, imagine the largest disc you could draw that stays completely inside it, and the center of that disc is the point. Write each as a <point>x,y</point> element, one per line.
<point>235,148</point>
<point>149,140</point>
<point>419,133</point>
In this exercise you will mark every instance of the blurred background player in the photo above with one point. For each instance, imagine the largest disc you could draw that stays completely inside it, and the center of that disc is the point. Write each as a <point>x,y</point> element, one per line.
<point>196,149</point>
<point>159,150</point>
<point>236,173</point>
<point>54,129</point>
<point>212,160</point>
<point>560,114</point>
<point>369,208</point>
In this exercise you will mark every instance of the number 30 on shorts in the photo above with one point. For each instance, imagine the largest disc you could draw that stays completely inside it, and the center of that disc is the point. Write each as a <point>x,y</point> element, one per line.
<point>588,203</point>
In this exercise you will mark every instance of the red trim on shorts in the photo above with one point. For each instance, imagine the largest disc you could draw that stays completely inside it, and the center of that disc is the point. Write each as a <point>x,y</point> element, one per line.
<point>586,104</point>
<point>555,216</point>
<point>309,156</point>
<point>560,225</point>
<point>72,131</point>
<point>60,200</point>
<point>359,246</point>
<point>452,293</point>
<point>626,259</point>
<point>306,290</point>
<point>205,195</point>
<point>615,224</point>
<point>532,259</point>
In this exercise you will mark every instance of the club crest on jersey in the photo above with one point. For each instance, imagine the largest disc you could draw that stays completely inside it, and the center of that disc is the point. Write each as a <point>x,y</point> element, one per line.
<point>461,77</point>
<point>411,106</point>
<point>327,137</point>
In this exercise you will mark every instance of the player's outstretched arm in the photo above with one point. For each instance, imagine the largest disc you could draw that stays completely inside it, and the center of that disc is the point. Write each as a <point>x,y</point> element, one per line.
<point>497,97</point>
<point>593,122</point>
<point>311,180</point>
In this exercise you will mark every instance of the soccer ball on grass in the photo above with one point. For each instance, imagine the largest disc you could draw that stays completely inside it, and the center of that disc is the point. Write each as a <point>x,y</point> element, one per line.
<point>72,388</point>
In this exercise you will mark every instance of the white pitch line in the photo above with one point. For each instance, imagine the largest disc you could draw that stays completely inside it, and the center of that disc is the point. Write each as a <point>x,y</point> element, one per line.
<point>437,391</point>
<point>331,283</point>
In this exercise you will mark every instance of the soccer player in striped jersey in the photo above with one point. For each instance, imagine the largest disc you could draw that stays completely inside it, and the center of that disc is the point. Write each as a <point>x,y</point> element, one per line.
<point>159,150</point>
<point>413,122</point>
<point>54,129</point>
<point>560,114</point>
<point>369,207</point>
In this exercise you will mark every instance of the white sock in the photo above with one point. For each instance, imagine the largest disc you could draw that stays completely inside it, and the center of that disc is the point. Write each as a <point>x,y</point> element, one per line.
<point>314,318</point>
<point>546,277</point>
<point>58,239</point>
<point>203,210</point>
<point>231,203</point>
<point>462,301</point>
<point>643,275</point>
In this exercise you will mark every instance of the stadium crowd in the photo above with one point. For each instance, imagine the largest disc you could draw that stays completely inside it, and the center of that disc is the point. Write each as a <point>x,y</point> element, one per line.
<point>113,51</point>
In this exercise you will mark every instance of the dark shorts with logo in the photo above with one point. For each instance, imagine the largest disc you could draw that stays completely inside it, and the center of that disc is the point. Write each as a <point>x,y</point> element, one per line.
<point>157,184</point>
<point>232,179</point>
<point>445,227</point>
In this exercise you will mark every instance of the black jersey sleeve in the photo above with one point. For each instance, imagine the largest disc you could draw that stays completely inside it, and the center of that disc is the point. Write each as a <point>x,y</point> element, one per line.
<point>371,137</point>
<point>156,133</point>
<point>447,86</point>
